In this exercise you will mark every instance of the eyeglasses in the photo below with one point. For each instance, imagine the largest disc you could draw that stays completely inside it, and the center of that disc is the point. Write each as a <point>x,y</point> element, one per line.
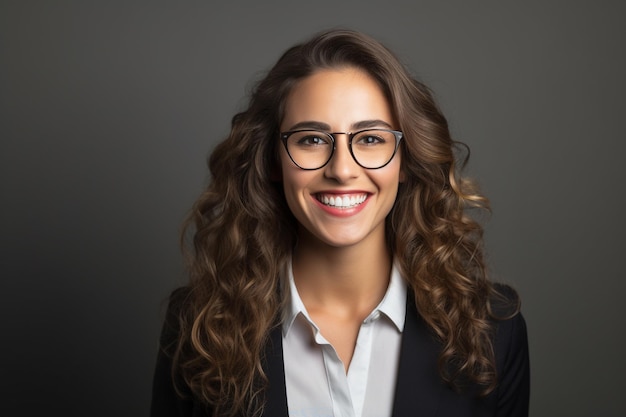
<point>313,149</point>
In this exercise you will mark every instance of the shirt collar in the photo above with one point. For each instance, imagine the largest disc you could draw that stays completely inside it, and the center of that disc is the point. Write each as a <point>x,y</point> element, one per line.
<point>393,304</point>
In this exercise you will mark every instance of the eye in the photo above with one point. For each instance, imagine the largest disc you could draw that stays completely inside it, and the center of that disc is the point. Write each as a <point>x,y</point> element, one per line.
<point>369,139</point>
<point>311,139</point>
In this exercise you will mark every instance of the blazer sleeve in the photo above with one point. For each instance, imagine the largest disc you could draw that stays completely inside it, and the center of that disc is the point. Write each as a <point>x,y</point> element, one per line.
<point>513,392</point>
<point>166,402</point>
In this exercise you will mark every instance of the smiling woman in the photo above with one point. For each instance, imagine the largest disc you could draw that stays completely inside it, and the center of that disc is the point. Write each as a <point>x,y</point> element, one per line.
<point>333,269</point>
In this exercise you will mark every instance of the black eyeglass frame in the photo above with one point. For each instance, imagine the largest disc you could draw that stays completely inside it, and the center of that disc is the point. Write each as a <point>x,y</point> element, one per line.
<point>284,136</point>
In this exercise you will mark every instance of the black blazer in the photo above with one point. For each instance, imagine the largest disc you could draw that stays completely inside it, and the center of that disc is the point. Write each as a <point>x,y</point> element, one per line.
<point>419,388</point>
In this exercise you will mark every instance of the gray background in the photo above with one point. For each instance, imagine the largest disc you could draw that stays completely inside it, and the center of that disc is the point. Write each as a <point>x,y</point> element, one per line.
<point>108,112</point>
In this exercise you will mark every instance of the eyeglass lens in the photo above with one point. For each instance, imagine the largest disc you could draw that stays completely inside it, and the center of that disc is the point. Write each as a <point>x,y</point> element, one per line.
<point>311,149</point>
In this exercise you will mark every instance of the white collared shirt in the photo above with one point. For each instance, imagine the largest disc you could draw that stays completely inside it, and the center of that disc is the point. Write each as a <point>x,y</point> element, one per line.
<point>317,384</point>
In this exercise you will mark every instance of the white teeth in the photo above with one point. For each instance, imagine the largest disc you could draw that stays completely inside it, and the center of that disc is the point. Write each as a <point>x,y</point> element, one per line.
<point>342,202</point>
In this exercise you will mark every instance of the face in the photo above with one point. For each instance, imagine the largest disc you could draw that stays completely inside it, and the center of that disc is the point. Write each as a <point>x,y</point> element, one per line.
<point>340,204</point>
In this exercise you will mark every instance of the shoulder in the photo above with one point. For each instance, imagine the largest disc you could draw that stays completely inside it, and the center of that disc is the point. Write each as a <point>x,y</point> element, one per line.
<point>170,394</point>
<point>178,300</point>
<point>171,325</point>
<point>505,310</point>
<point>511,352</point>
<point>511,337</point>
<point>504,301</point>
<point>178,296</point>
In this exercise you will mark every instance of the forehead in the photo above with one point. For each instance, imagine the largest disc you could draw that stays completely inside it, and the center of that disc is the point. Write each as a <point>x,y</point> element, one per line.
<point>338,98</point>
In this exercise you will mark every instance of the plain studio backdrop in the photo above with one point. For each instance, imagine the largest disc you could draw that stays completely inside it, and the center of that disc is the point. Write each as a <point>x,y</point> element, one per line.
<point>108,112</point>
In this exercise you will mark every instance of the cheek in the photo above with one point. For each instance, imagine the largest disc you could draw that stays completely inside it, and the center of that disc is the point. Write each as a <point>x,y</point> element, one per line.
<point>293,181</point>
<point>391,175</point>
<point>389,181</point>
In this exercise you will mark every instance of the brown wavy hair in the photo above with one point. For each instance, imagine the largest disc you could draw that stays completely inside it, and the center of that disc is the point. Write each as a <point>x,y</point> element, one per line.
<point>241,234</point>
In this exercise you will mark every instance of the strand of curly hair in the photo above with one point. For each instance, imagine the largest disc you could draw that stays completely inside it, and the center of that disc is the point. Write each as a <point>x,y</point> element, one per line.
<point>240,248</point>
<point>439,245</point>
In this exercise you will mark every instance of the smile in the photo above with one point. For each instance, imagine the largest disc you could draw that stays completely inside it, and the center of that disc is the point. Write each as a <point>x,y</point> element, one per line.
<point>342,202</point>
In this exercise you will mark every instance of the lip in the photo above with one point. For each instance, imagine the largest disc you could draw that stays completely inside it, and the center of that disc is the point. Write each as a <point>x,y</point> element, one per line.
<point>350,202</point>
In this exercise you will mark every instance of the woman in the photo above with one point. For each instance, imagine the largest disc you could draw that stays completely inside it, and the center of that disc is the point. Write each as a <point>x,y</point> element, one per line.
<point>333,268</point>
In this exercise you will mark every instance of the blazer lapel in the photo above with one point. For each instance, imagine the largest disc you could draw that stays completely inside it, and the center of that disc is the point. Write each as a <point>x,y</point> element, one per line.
<point>419,386</point>
<point>276,394</point>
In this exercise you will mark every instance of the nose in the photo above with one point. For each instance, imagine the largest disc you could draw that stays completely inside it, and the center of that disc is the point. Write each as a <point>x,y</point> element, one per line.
<point>342,167</point>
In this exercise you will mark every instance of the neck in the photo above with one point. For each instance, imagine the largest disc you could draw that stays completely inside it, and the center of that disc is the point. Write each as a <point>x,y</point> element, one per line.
<point>352,278</point>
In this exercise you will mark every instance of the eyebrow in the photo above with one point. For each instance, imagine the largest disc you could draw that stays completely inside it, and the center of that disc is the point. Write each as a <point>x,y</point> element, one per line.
<point>363,124</point>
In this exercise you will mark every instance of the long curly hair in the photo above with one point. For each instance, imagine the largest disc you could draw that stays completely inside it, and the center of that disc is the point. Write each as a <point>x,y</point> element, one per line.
<point>240,234</point>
